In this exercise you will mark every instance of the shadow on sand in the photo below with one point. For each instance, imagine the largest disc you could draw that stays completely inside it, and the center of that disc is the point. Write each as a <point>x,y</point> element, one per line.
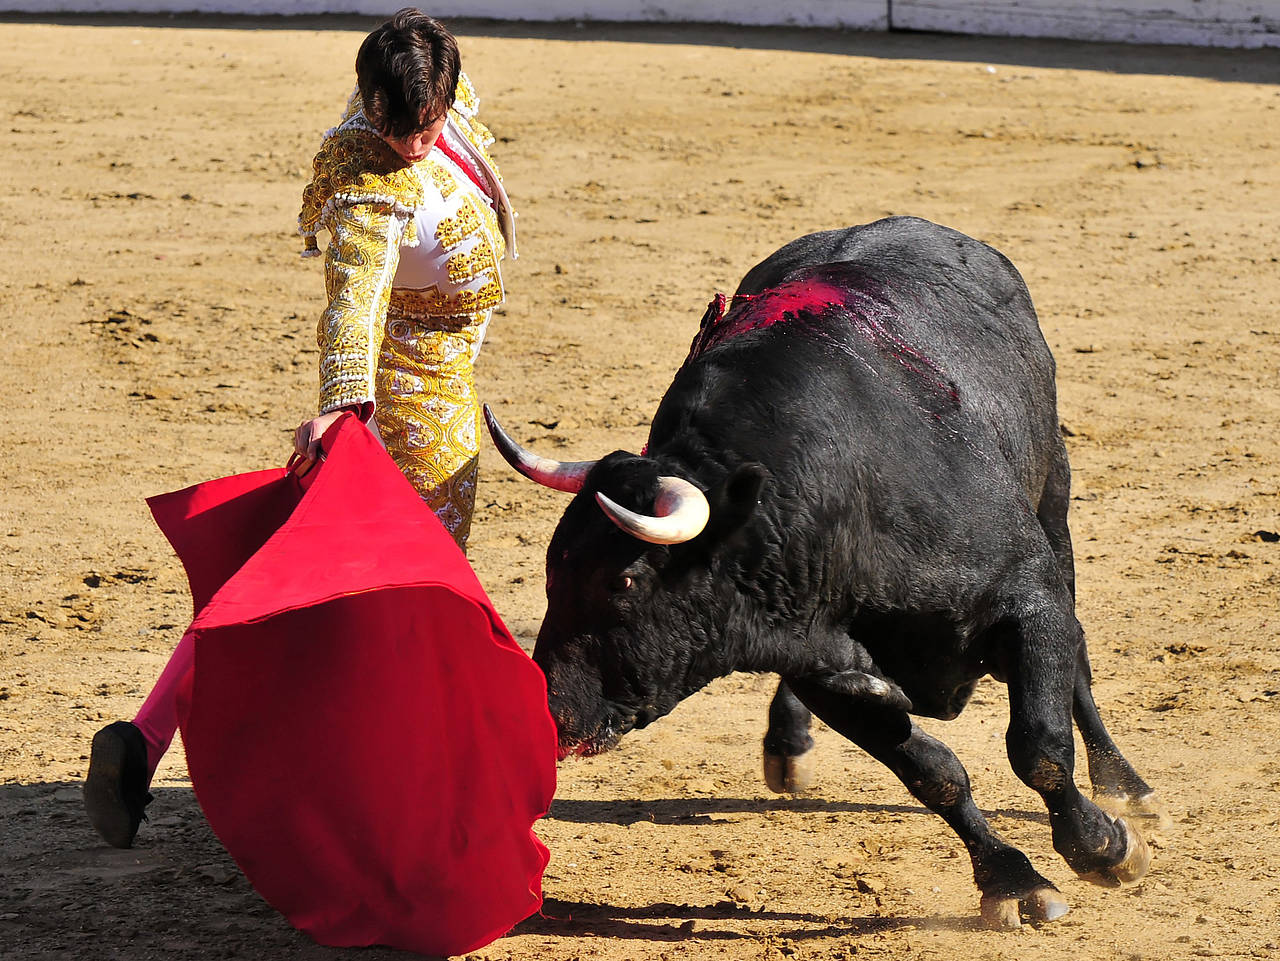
<point>713,809</point>
<point>66,895</point>
<point>722,921</point>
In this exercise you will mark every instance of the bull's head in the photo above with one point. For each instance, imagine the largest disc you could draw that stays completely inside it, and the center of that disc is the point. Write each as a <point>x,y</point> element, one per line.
<point>632,619</point>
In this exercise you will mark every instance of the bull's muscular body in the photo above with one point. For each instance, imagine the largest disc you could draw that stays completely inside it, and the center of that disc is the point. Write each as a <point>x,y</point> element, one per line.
<point>875,430</point>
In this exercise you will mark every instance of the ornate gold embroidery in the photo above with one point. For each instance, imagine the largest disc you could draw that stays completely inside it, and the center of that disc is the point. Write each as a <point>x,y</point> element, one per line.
<point>353,166</point>
<point>428,411</point>
<point>454,230</point>
<point>357,276</point>
<point>465,267</point>
<point>441,177</point>
<point>429,303</point>
<point>482,132</point>
<point>465,98</point>
<point>493,230</point>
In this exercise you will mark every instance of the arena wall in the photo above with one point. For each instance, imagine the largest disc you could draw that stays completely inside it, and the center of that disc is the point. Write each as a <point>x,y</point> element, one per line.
<point>1222,23</point>
<point>1219,23</point>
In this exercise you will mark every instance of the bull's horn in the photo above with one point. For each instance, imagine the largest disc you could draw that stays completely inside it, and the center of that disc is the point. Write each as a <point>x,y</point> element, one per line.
<point>568,476</point>
<point>682,512</point>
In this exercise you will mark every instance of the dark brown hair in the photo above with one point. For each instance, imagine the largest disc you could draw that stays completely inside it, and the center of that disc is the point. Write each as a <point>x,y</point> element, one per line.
<point>407,68</point>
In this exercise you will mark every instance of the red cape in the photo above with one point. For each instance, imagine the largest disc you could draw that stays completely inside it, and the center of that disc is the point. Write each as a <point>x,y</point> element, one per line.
<point>362,732</point>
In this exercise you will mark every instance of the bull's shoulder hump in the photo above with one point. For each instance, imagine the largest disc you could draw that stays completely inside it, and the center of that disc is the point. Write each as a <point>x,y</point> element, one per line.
<point>909,244</point>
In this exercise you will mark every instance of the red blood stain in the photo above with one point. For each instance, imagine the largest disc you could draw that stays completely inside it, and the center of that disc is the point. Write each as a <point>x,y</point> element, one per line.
<point>814,298</point>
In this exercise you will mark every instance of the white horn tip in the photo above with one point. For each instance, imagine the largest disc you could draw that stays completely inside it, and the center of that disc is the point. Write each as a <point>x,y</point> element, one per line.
<point>682,513</point>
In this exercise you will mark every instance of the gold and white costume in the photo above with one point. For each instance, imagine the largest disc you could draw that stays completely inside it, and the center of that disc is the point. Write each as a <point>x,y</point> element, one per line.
<point>412,276</point>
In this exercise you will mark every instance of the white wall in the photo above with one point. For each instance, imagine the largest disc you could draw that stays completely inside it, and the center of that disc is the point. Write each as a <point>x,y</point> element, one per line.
<point>1222,23</point>
<point>858,14</point>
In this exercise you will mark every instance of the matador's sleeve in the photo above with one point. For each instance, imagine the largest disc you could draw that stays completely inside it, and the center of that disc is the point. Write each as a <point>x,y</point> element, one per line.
<point>359,264</point>
<point>365,199</point>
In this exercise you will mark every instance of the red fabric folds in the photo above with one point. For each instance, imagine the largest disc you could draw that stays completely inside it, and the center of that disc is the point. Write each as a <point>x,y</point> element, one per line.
<point>363,734</point>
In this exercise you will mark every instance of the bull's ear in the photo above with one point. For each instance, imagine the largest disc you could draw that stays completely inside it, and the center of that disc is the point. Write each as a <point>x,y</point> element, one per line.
<point>737,500</point>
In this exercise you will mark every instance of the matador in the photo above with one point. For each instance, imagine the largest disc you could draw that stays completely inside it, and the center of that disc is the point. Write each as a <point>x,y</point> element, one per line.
<point>412,276</point>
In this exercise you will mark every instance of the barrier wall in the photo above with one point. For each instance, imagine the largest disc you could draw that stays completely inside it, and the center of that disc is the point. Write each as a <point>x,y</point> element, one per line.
<point>1222,23</point>
<point>1218,23</point>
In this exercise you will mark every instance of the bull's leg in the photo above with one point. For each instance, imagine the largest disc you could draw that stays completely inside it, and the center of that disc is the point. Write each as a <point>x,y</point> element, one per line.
<point>1055,500</point>
<point>788,747</point>
<point>1117,787</point>
<point>1041,664</point>
<point>1010,886</point>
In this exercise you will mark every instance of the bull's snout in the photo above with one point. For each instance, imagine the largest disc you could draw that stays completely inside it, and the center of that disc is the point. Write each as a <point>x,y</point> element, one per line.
<point>585,726</point>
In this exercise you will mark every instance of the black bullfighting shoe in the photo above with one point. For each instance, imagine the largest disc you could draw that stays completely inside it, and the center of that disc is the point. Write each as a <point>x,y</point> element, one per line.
<point>115,790</point>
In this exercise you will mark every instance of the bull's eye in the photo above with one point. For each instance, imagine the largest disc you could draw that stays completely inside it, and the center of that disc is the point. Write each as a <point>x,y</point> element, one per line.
<point>621,583</point>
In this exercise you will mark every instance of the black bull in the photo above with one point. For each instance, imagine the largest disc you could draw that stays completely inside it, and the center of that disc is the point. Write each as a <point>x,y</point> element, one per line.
<point>857,481</point>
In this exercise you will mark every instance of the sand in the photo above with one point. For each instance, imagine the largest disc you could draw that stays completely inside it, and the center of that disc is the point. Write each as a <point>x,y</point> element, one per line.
<point>158,330</point>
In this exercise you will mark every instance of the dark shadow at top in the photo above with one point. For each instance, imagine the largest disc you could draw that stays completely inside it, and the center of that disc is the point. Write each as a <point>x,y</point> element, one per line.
<point>1242,66</point>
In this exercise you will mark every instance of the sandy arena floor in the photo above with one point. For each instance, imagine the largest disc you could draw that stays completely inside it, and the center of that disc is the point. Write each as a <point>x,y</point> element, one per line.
<point>158,331</point>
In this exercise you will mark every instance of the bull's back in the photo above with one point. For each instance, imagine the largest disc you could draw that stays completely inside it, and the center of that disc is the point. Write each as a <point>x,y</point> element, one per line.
<point>964,308</point>
<point>969,294</point>
<point>893,241</point>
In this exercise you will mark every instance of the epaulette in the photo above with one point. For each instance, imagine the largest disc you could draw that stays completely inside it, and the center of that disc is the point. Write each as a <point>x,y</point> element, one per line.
<point>354,166</point>
<point>466,101</point>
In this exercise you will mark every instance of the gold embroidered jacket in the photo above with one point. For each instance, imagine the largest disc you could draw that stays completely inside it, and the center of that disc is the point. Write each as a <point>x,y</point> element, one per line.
<point>373,205</point>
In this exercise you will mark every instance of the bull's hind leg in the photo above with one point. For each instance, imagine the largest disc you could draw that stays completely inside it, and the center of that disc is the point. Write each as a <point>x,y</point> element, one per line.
<point>1055,501</point>
<point>1040,664</point>
<point>1117,787</point>
<point>1010,886</point>
<point>788,747</point>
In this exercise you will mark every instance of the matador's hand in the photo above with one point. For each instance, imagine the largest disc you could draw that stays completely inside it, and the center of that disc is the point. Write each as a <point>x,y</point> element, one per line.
<point>306,439</point>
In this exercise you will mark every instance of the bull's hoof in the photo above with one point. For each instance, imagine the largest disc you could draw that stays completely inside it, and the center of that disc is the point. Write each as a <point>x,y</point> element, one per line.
<point>1132,867</point>
<point>1146,810</point>
<point>1005,914</point>
<point>1001,914</point>
<point>789,773</point>
<point>1137,856</point>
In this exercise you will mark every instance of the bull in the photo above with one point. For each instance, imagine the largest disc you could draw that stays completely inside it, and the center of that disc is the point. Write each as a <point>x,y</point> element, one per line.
<point>857,481</point>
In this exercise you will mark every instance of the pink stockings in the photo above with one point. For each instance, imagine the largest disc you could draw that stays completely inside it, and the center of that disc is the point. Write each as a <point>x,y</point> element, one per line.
<point>158,718</point>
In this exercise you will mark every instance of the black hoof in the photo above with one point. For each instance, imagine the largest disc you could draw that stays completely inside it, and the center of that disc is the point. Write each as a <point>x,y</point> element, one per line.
<point>115,790</point>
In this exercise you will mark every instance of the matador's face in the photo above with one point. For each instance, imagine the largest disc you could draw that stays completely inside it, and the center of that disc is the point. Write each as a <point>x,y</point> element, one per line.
<point>415,146</point>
